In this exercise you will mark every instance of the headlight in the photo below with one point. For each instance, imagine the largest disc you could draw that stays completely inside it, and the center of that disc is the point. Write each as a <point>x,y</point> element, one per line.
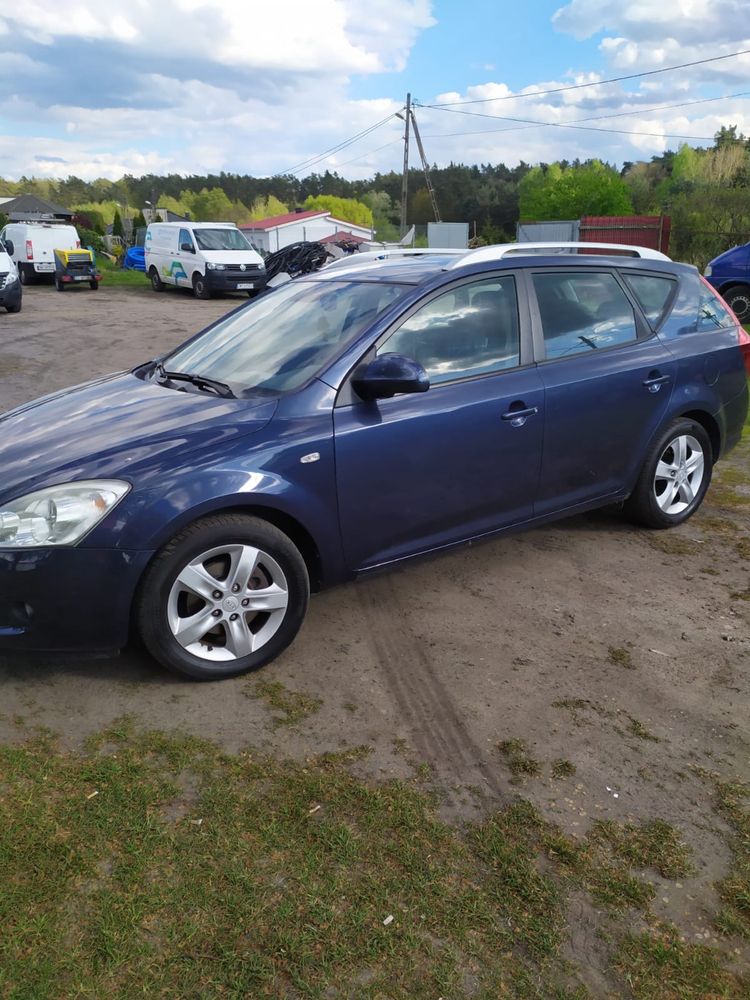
<point>216,267</point>
<point>708,271</point>
<point>59,515</point>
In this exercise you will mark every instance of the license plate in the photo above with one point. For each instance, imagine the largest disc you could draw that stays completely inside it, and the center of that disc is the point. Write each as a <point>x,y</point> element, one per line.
<point>44,267</point>
<point>246,284</point>
<point>82,277</point>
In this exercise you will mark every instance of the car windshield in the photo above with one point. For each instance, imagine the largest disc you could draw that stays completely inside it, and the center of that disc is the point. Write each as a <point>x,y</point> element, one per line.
<point>221,239</point>
<point>282,339</point>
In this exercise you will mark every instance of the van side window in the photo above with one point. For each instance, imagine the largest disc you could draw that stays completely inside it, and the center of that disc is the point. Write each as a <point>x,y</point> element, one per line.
<point>185,237</point>
<point>653,292</point>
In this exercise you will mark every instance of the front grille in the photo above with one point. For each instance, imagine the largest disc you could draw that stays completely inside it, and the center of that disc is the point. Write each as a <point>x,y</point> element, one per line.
<point>3,278</point>
<point>235,269</point>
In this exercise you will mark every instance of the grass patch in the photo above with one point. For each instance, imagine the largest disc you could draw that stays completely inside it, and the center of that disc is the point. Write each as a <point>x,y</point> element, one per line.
<point>118,277</point>
<point>621,657</point>
<point>671,545</point>
<point>636,728</point>
<point>563,769</point>
<point>156,865</point>
<point>655,845</point>
<point>734,890</point>
<point>293,705</point>
<point>659,966</point>
<point>520,762</point>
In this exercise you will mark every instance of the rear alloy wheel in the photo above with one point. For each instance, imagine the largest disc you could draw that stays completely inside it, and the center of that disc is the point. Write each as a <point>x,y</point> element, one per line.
<point>225,596</point>
<point>738,300</point>
<point>156,283</point>
<point>200,287</point>
<point>674,478</point>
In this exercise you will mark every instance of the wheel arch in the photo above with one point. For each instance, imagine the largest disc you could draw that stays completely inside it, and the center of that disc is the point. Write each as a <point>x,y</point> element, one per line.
<point>710,426</point>
<point>290,525</point>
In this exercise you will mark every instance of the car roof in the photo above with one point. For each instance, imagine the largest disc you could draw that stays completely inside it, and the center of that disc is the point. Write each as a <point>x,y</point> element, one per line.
<point>415,270</point>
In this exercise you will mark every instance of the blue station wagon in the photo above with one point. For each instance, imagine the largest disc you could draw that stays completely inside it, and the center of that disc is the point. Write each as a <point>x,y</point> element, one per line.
<point>387,406</point>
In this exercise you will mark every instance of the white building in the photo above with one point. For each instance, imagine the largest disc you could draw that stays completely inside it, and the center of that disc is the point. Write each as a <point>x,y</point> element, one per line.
<point>281,230</point>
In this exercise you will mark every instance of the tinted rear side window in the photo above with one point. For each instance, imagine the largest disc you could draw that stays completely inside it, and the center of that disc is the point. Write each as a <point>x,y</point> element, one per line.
<point>653,292</point>
<point>712,313</point>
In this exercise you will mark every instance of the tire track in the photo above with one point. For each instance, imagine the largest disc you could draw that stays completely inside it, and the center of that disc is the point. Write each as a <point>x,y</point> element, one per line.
<point>425,705</point>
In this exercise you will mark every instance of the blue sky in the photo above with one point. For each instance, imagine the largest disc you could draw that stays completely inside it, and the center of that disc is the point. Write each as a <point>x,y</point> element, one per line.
<point>196,86</point>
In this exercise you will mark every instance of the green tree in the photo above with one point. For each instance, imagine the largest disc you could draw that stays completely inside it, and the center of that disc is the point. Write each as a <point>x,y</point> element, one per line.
<point>266,207</point>
<point>561,192</point>
<point>212,206</point>
<point>117,228</point>
<point>346,209</point>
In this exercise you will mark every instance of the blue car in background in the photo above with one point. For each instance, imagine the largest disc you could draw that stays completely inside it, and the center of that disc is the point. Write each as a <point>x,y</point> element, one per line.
<point>729,273</point>
<point>382,408</point>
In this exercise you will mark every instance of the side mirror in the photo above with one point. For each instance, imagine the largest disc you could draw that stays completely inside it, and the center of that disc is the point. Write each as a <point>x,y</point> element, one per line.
<point>389,374</point>
<point>187,247</point>
<point>10,248</point>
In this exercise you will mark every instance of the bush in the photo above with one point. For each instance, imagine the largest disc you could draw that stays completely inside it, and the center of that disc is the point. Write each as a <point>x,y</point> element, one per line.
<point>90,238</point>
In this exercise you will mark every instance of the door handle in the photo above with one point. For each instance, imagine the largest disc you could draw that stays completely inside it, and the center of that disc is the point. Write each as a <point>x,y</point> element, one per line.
<point>519,417</point>
<point>655,381</point>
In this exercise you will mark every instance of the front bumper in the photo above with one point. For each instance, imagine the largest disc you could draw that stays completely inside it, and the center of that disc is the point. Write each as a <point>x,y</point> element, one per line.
<point>10,294</point>
<point>236,281</point>
<point>67,599</point>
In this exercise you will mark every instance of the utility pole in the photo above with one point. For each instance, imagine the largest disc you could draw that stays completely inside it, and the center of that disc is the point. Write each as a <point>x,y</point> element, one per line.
<point>426,168</point>
<point>405,178</point>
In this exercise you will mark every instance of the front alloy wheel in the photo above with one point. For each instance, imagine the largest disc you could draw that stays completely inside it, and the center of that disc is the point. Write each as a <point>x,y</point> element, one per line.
<point>225,596</point>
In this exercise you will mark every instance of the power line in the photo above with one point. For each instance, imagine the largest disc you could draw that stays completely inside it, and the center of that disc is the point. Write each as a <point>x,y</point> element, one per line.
<point>617,114</point>
<point>311,161</point>
<point>596,83</point>
<point>584,128</point>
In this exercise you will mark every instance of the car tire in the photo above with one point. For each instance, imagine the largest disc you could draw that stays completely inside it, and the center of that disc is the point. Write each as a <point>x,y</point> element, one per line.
<point>93,285</point>
<point>14,308</point>
<point>674,477</point>
<point>59,285</point>
<point>156,283</point>
<point>26,274</point>
<point>200,287</point>
<point>738,300</point>
<point>195,611</point>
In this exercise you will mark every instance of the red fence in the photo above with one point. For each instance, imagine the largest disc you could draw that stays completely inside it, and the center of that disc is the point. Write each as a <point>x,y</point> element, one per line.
<point>634,230</point>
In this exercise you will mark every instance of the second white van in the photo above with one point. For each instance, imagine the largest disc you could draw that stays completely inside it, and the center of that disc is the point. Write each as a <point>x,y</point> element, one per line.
<point>34,245</point>
<point>205,256</point>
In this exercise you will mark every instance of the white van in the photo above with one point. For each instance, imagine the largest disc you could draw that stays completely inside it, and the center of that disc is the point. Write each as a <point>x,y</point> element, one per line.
<point>10,283</point>
<point>205,256</point>
<point>34,245</point>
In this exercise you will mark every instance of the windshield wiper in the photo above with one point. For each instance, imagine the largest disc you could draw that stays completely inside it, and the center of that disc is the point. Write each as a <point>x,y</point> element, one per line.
<point>201,381</point>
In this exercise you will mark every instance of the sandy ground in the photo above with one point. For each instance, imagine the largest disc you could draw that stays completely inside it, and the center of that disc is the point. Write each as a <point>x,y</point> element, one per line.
<point>438,662</point>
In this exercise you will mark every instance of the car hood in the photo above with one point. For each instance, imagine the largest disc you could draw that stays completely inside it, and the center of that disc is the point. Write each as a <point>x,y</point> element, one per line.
<point>117,427</point>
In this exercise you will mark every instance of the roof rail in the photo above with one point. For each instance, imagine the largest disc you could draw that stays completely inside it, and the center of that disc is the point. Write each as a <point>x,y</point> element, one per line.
<point>534,249</point>
<point>368,256</point>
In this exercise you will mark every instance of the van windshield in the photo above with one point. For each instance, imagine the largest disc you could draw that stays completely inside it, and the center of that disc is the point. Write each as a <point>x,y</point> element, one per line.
<point>284,338</point>
<point>221,239</point>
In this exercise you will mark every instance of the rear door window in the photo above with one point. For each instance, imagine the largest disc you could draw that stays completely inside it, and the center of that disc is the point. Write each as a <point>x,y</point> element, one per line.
<point>582,312</point>
<point>654,294</point>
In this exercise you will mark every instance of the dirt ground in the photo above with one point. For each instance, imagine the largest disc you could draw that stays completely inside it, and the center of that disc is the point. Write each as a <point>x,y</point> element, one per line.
<point>622,651</point>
